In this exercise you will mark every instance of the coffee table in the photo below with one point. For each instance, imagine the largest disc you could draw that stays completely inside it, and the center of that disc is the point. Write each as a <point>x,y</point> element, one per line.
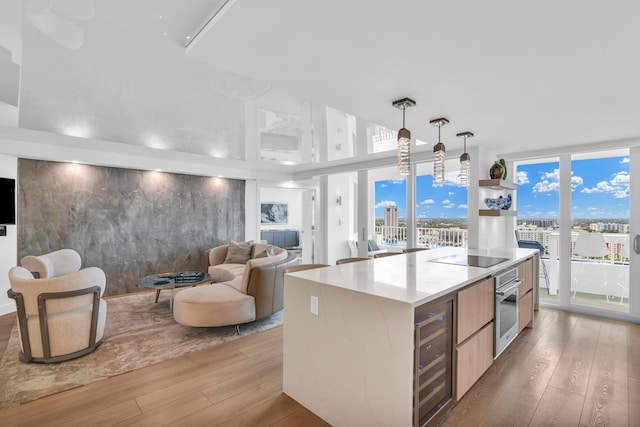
<point>172,281</point>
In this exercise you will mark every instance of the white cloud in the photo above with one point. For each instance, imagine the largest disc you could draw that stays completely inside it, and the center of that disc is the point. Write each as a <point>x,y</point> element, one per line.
<point>385,203</point>
<point>450,178</point>
<point>383,185</point>
<point>522,177</point>
<point>397,181</point>
<point>624,160</point>
<point>592,209</point>
<point>601,187</point>
<point>427,202</point>
<point>451,193</point>
<point>448,204</point>
<point>551,182</point>
<point>618,186</point>
<point>462,206</point>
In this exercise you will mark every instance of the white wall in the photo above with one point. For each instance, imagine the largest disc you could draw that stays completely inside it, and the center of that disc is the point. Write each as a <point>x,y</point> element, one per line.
<point>8,243</point>
<point>340,217</point>
<point>11,40</point>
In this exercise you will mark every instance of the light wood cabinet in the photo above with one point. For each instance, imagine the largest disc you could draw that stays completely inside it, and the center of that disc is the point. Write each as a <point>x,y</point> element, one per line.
<point>525,311</point>
<point>474,309</point>
<point>525,294</point>
<point>473,358</point>
<point>474,334</point>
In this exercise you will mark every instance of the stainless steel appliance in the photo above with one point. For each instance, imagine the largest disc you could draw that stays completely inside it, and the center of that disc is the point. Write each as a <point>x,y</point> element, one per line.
<point>506,309</point>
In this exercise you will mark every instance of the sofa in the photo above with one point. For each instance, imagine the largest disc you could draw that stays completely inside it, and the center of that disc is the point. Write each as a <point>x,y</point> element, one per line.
<point>60,310</point>
<point>248,285</point>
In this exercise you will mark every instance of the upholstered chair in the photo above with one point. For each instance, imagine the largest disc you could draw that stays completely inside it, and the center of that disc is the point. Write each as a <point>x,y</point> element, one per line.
<point>57,263</point>
<point>59,318</point>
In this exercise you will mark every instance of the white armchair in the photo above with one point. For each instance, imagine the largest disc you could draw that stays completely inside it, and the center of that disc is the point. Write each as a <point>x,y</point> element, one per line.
<point>62,317</point>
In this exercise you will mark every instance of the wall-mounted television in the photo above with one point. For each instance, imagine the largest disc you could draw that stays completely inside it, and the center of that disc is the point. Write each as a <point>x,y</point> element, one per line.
<point>7,201</point>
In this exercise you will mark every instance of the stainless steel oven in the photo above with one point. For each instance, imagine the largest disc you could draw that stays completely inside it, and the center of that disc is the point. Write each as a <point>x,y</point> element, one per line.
<point>506,309</point>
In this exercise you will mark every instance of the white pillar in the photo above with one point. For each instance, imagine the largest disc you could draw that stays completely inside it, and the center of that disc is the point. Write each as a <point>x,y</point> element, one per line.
<point>564,275</point>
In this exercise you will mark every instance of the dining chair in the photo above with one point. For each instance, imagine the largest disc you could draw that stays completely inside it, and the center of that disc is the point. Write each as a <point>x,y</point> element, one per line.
<point>351,259</point>
<point>386,254</point>
<point>410,250</point>
<point>534,244</point>
<point>590,248</point>
<point>623,275</point>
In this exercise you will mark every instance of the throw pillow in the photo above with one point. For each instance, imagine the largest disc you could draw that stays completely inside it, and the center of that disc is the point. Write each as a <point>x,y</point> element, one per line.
<point>266,253</point>
<point>238,253</point>
<point>373,246</point>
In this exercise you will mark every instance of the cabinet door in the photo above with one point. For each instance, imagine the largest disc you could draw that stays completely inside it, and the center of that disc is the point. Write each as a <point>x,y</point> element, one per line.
<point>525,311</point>
<point>278,239</point>
<point>525,273</point>
<point>475,308</point>
<point>473,358</point>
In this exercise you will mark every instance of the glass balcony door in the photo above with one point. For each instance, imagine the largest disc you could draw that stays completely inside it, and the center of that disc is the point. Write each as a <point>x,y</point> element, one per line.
<point>600,227</point>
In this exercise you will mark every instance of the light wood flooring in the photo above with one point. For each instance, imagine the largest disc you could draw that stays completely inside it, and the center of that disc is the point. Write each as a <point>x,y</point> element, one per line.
<point>571,370</point>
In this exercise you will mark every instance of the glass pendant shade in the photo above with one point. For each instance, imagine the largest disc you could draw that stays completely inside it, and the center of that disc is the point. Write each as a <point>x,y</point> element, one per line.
<point>438,162</point>
<point>465,169</point>
<point>439,152</point>
<point>404,152</point>
<point>465,161</point>
<point>404,138</point>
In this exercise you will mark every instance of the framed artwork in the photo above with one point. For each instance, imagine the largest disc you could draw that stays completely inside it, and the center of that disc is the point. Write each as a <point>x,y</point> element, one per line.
<point>274,213</point>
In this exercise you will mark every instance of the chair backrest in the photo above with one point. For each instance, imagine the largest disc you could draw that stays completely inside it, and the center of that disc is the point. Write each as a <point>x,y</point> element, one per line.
<point>624,249</point>
<point>410,250</point>
<point>385,254</point>
<point>54,264</point>
<point>302,267</point>
<point>591,245</point>
<point>352,259</point>
<point>353,248</point>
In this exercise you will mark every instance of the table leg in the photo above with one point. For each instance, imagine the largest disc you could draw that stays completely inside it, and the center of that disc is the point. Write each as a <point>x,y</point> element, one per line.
<point>157,294</point>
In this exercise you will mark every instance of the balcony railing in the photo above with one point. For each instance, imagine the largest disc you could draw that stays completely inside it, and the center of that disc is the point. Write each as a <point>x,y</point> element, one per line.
<point>608,275</point>
<point>427,237</point>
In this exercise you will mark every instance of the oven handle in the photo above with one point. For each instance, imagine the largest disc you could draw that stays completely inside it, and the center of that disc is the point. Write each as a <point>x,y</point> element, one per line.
<point>516,283</point>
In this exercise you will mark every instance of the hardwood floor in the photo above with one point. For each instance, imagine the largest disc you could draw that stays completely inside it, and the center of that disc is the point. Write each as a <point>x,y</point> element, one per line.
<point>571,370</point>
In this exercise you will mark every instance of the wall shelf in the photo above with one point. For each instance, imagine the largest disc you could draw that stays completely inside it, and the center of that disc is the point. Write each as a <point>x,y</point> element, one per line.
<point>498,184</point>
<point>501,212</point>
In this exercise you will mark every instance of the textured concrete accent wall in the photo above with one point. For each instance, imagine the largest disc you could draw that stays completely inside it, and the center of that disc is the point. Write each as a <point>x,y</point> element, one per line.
<point>130,223</point>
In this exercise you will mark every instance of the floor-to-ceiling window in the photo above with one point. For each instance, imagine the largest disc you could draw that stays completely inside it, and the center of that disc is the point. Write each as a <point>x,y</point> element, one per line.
<point>596,227</point>
<point>600,230</point>
<point>538,219</point>
<point>441,207</point>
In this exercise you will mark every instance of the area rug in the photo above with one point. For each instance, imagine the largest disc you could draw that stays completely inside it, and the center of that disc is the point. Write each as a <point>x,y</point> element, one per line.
<point>138,333</point>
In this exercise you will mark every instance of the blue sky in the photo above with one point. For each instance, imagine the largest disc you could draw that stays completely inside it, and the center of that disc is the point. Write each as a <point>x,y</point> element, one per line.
<point>600,189</point>
<point>439,200</point>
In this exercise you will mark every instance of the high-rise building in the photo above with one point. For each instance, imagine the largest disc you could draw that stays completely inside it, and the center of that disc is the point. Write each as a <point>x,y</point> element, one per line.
<point>390,223</point>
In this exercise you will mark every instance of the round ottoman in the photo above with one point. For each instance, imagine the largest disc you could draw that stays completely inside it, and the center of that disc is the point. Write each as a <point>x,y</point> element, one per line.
<point>214,305</point>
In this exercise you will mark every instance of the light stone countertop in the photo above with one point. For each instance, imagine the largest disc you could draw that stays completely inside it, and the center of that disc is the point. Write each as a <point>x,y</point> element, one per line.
<point>412,278</point>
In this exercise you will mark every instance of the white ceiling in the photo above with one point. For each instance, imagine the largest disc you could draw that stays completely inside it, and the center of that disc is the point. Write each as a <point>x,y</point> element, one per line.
<point>521,75</point>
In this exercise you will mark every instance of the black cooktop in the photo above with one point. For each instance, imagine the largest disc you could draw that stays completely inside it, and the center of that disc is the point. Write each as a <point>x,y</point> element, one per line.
<point>470,260</point>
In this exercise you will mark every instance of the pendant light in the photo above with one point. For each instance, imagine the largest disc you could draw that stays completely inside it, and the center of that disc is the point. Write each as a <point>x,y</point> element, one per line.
<point>438,152</point>
<point>404,138</point>
<point>465,161</point>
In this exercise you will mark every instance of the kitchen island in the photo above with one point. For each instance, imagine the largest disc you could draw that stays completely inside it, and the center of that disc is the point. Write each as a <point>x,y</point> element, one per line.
<point>350,330</point>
